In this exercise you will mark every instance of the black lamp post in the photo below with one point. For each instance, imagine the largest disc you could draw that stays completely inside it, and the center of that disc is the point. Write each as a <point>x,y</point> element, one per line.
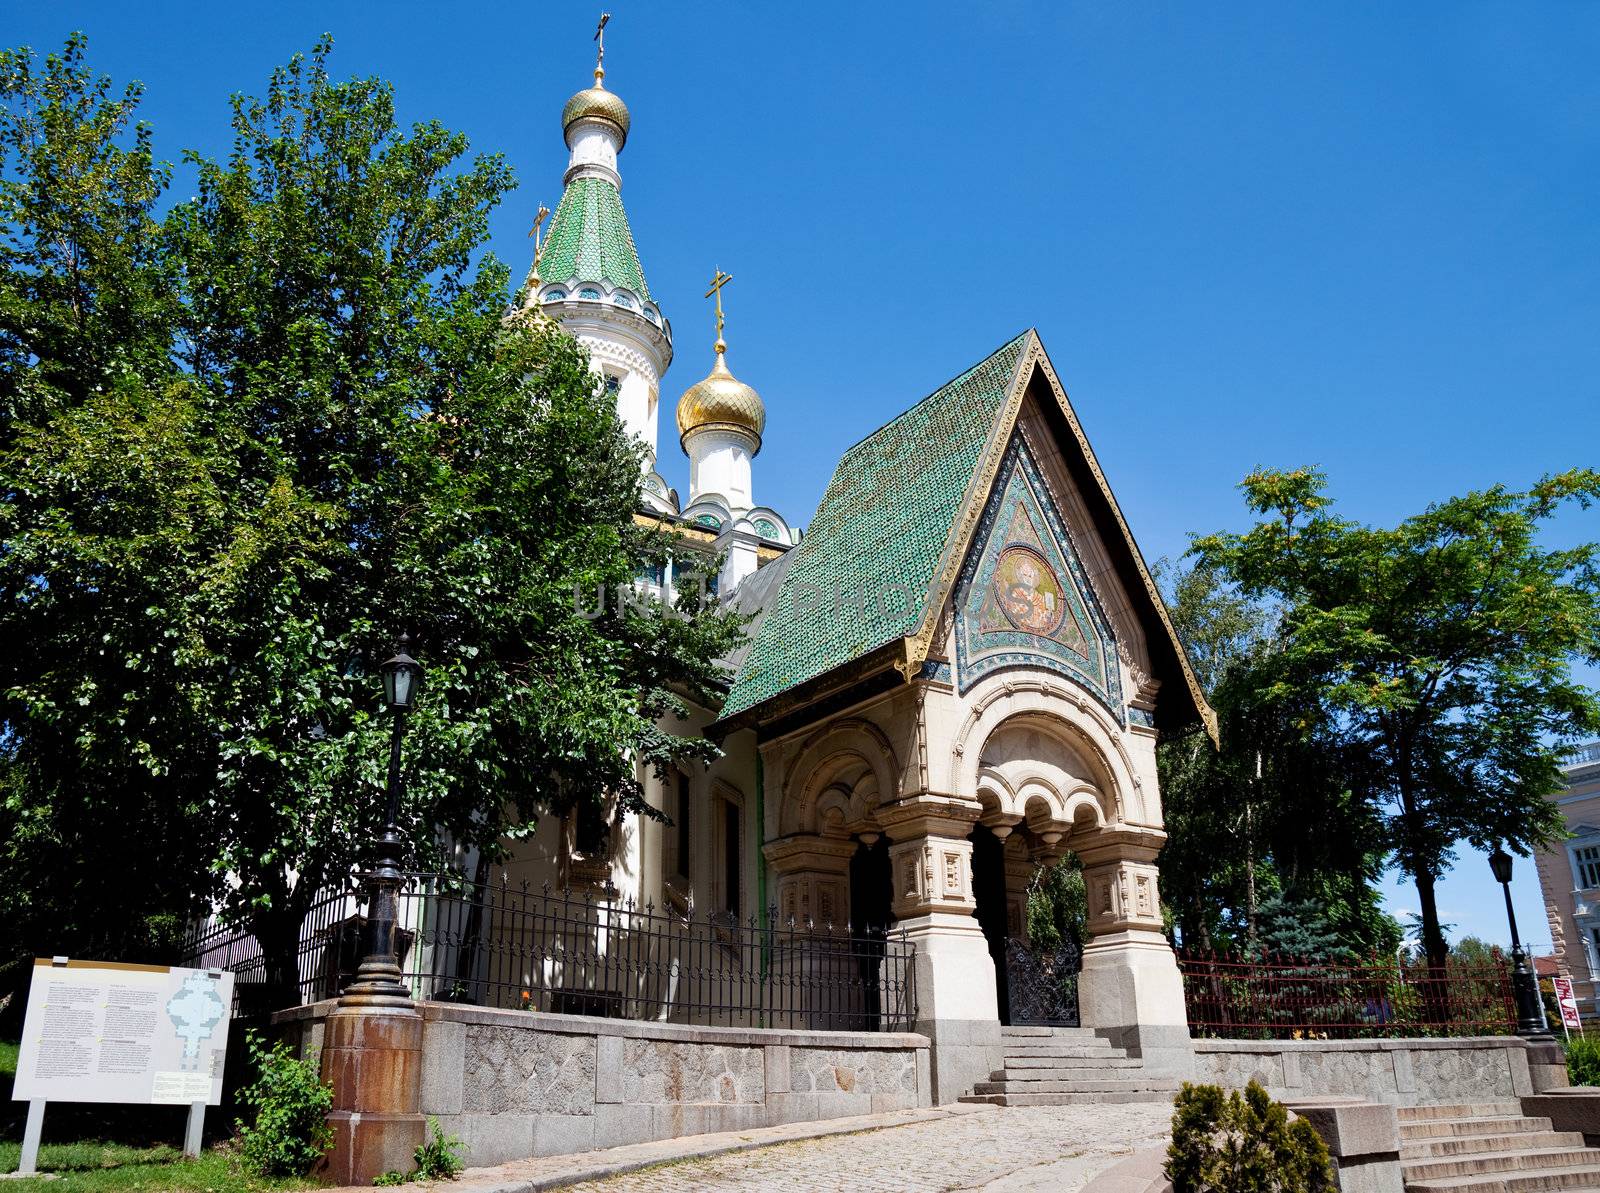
<point>378,977</point>
<point>1524,984</point>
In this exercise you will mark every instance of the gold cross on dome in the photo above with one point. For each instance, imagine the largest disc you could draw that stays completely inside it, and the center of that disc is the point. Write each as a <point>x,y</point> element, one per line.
<point>718,281</point>
<point>600,41</point>
<point>538,222</point>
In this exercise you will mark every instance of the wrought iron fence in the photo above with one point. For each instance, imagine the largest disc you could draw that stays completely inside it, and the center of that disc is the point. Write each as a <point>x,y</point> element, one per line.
<point>530,948</point>
<point>1042,983</point>
<point>1275,998</point>
<point>326,953</point>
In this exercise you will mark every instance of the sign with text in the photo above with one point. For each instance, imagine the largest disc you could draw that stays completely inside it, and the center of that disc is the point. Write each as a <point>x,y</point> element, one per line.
<point>1568,1002</point>
<point>105,1032</point>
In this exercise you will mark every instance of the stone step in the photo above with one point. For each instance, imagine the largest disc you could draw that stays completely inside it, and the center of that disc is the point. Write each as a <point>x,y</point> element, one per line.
<point>1416,1132</point>
<point>1411,1114</point>
<point>1090,1063</point>
<point>1059,1032</point>
<point>1106,1098</point>
<point>1466,1145</point>
<point>1582,1177</point>
<point>1008,1086</point>
<point>1519,1161</point>
<point>1049,1051</point>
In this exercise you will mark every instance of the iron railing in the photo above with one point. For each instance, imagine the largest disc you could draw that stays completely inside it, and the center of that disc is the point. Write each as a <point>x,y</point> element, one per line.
<point>1042,983</point>
<point>1275,998</point>
<point>521,947</point>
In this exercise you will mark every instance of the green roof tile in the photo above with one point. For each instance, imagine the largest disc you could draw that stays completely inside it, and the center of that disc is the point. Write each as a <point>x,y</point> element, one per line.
<point>877,535</point>
<point>590,239</point>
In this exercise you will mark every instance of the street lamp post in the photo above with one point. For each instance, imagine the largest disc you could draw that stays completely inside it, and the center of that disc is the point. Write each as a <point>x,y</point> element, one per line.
<point>1524,983</point>
<point>378,977</point>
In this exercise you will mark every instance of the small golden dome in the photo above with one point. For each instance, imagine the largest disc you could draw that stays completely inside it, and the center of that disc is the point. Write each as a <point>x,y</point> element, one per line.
<point>721,401</point>
<point>601,105</point>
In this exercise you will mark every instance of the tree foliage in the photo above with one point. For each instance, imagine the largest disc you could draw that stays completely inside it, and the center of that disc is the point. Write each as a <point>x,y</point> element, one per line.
<point>1436,654</point>
<point>246,444</point>
<point>1267,825</point>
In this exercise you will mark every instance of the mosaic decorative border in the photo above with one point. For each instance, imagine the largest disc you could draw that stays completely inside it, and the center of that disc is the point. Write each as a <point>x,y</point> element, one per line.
<point>980,653</point>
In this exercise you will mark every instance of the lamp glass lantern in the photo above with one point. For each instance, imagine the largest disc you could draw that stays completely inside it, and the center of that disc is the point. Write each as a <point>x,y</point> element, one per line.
<point>402,676</point>
<point>1500,863</point>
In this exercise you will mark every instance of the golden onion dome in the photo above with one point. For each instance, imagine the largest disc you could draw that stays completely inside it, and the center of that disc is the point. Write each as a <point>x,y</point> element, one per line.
<point>722,402</point>
<point>598,103</point>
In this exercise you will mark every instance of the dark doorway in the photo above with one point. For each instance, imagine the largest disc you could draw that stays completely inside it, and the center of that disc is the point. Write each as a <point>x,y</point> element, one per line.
<point>989,890</point>
<point>871,892</point>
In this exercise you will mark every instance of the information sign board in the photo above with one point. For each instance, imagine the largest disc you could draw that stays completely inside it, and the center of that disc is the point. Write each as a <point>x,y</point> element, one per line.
<point>103,1032</point>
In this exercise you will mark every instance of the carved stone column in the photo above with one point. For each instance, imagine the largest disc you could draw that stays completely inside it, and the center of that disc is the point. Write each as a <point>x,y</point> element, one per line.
<point>1020,869</point>
<point>1130,986</point>
<point>812,888</point>
<point>811,879</point>
<point>930,856</point>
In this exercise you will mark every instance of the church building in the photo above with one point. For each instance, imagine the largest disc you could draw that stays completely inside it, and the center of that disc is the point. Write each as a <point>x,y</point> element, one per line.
<point>954,677</point>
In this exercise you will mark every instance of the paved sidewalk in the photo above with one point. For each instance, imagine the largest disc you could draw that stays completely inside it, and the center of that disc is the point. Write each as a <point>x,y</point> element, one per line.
<point>1010,1150</point>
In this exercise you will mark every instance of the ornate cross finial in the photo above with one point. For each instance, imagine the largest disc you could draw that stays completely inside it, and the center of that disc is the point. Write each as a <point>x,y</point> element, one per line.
<point>538,245</point>
<point>600,57</point>
<point>718,281</point>
<point>532,282</point>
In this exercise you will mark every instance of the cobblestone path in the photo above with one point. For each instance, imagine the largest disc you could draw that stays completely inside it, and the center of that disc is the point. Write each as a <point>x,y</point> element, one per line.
<point>1021,1148</point>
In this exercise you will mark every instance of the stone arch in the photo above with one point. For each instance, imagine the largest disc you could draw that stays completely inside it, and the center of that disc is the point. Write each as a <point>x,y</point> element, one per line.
<point>1061,714</point>
<point>842,773</point>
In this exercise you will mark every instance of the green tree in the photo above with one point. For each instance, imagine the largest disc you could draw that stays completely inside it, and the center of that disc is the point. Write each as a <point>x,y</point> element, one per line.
<point>1268,814</point>
<point>1438,651</point>
<point>345,437</point>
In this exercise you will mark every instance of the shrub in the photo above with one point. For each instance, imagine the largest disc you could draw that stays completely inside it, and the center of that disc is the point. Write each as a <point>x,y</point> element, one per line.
<point>439,1158</point>
<point>1583,1060</point>
<point>291,1102</point>
<point>1227,1143</point>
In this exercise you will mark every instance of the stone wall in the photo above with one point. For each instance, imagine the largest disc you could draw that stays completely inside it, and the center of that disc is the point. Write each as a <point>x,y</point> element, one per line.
<point>513,1084</point>
<point>1416,1072</point>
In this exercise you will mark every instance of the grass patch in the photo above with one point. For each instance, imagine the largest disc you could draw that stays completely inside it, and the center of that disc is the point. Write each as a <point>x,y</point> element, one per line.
<point>97,1167</point>
<point>89,1167</point>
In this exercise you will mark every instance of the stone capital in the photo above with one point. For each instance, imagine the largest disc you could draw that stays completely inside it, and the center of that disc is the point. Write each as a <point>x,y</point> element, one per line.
<point>929,814</point>
<point>1119,843</point>
<point>809,852</point>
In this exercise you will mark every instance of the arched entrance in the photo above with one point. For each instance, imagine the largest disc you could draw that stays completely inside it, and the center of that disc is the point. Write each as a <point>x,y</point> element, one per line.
<point>871,893</point>
<point>989,892</point>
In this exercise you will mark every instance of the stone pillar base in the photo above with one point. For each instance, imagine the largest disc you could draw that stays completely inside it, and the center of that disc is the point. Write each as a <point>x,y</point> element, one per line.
<point>956,1006</point>
<point>1131,992</point>
<point>372,1056</point>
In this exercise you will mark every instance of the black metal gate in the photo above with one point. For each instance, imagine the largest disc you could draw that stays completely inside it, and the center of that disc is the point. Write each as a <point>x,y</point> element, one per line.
<point>1042,984</point>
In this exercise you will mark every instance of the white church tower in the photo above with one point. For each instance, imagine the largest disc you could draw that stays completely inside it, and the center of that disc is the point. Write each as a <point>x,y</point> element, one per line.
<point>587,277</point>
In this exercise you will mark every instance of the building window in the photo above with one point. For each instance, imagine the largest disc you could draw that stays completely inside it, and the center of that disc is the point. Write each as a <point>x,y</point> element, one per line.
<point>612,384</point>
<point>622,300</point>
<point>1588,860</point>
<point>589,292</point>
<point>554,294</point>
<point>765,528</point>
<point>680,828</point>
<point>710,521</point>
<point>732,860</point>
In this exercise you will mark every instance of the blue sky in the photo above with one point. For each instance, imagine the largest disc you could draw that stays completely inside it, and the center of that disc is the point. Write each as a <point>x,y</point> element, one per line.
<point>1359,236</point>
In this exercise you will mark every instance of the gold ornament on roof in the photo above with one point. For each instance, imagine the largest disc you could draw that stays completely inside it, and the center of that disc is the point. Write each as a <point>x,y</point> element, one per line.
<point>596,102</point>
<point>721,401</point>
<point>532,282</point>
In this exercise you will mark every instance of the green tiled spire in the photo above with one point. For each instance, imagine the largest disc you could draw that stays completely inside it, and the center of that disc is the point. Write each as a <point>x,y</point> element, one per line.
<point>590,240</point>
<point>877,535</point>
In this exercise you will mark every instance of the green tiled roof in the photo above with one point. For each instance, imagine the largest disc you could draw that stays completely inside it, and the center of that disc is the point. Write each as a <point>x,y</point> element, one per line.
<point>590,239</point>
<point>877,535</point>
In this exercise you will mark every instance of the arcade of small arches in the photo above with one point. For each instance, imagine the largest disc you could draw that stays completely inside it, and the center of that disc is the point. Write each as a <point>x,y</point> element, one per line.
<point>868,834</point>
